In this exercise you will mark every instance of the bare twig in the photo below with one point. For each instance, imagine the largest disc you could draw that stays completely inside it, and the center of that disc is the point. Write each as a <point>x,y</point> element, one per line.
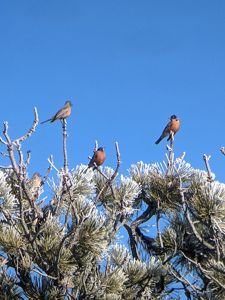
<point>27,161</point>
<point>10,148</point>
<point>207,273</point>
<point>171,155</point>
<point>158,224</point>
<point>2,141</point>
<point>46,174</point>
<point>32,129</point>
<point>180,278</point>
<point>51,162</point>
<point>100,172</point>
<point>17,142</point>
<point>21,160</point>
<point>118,161</point>
<point>4,154</point>
<point>65,135</point>
<point>206,159</point>
<point>44,274</point>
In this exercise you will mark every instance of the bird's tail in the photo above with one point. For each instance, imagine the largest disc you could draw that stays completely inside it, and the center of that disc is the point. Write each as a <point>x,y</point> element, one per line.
<point>159,140</point>
<point>46,121</point>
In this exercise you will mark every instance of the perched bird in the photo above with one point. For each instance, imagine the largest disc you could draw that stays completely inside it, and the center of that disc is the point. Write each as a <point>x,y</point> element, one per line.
<point>98,158</point>
<point>63,113</point>
<point>172,126</point>
<point>33,185</point>
<point>35,180</point>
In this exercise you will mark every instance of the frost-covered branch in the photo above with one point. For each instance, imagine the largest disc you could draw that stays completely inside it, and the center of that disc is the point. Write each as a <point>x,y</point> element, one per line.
<point>65,135</point>
<point>206,159</point>
<point>32,129</point>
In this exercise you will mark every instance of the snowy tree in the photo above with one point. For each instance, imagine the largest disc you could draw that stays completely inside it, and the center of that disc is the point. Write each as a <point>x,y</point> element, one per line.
<point>69,245</point>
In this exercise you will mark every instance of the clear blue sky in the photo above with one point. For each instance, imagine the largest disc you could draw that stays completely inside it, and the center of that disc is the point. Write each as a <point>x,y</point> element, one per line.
<point>126,66</point>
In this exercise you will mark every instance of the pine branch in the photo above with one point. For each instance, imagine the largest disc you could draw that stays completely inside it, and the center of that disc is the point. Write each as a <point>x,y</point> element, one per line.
<point>133,243</point>
<point>187,214</point>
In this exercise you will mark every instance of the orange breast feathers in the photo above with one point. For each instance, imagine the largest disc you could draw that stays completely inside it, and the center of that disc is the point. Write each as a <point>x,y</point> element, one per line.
<point>99,158</point>
<point>174,125</point>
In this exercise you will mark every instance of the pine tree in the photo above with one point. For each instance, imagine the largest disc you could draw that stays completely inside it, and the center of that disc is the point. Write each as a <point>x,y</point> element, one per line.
<point>158,233</point>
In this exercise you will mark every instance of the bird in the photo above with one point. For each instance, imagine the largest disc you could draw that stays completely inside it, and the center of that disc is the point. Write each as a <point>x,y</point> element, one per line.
<point>97,159</point>
<point>33,185</point>
<point>35,180</point>
<point>63,113</point>
<point>173,126</point>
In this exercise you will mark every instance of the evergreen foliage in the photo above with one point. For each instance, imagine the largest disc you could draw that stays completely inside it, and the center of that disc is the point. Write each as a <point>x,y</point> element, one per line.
<point>69,245</point>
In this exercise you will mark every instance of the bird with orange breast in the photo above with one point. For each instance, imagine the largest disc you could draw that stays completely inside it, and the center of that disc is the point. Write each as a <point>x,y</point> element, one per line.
<point>98,158</point>
<point>61,114</point>
<point>172,127</point>
<point>33,185</point>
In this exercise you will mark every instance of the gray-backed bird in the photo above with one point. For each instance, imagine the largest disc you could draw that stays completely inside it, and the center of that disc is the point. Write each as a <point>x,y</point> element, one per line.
<point>63,113</point>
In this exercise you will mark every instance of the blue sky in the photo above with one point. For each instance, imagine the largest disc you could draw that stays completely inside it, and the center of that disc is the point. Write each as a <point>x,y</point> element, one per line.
<point>127,66</point>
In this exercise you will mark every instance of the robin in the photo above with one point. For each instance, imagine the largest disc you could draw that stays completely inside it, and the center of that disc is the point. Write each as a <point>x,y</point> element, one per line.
<point>35,180</point>
<point>172,126</point>
<point>34,184</point>
<point>98,158</point>
<point>63,113</point>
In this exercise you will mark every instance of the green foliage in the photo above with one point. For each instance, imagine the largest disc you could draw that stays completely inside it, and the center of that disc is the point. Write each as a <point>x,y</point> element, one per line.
<point>67,244</point>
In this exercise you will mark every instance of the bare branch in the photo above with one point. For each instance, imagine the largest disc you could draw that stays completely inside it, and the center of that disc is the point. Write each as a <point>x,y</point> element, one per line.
<point>46,174</point>
<point>118,162</point>
<point>10,148</point>
<point>133,243</point>
<point>65,135</point>
<point>51,162</point>
<point>21,160</point>
<point>170,158</point>
<point>4,154</point>
<point>32,129</point>
<point>206,159</point>
<point>180,278</point>
<point>28,158</point>
<point>2,141</point>
<point>158,224</point>
<point>43,274</point>
<point>205,272</point>
<point>147,214</point>
<point>100,172</point>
